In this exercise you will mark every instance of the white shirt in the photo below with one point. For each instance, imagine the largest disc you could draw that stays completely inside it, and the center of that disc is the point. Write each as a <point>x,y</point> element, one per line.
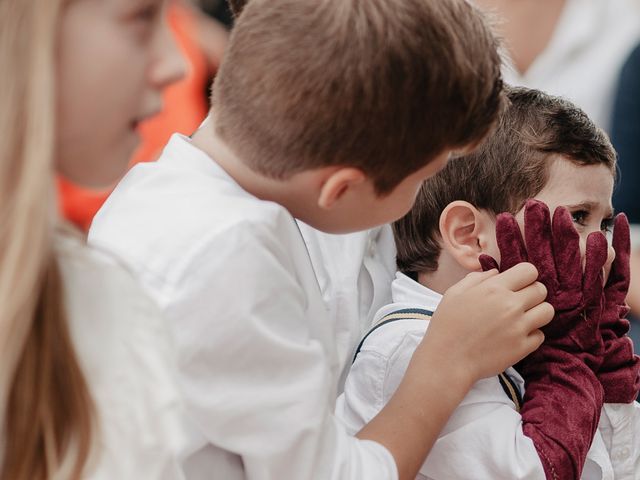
<point>125,354</point>
<point>355,272</point>
<point>483,439</point>
<point>585,54</point>
<point>258,360</point>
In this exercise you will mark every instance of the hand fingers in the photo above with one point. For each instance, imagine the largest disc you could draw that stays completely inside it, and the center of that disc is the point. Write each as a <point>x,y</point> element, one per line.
<point>488,263</point>
<point>537,317</point>
<point>621,241</point>
<point>566,245</point>
<point>474,278</point>
<point>538,235</point>
<point>532,342</point>
<point>510,243</point>
<point>595,258</point>
<point>532,295</point>
<point>517,277</point>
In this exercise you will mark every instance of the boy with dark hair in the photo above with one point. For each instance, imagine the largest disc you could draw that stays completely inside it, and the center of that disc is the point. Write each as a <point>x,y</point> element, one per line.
<point>332,112</point>
<point>546,148</point>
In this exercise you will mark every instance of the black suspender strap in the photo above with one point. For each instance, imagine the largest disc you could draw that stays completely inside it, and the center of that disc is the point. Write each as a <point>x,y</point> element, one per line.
<point>404,314</point>
<point>506,382</point>
<point>511,389</point>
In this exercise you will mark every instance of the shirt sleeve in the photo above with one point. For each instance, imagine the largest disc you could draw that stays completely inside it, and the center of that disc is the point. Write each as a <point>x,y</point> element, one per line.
<point>255,377</point>
<point>484,434</point>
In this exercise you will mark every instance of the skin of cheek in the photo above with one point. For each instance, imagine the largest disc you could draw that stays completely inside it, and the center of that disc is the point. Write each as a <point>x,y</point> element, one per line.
<point>99,101</point>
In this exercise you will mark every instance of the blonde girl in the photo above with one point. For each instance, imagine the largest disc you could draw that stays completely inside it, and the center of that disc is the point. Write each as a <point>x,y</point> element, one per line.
<point>84,388</point>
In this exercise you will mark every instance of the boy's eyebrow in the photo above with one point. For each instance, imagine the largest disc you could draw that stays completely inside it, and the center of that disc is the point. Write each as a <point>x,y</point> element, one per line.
<point>589,206</point>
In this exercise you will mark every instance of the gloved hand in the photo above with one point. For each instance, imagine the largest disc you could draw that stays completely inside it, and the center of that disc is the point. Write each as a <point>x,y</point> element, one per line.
<point>563,397</point>
<point>619,373</point>
<point>554,249</point>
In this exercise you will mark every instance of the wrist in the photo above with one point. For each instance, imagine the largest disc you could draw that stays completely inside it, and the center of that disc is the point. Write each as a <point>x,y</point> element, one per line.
<point>451,374</point>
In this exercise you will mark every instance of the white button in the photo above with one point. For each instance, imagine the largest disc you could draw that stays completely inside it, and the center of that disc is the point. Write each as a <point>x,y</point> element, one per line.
<point>622,454</point>
<point>615,407</point>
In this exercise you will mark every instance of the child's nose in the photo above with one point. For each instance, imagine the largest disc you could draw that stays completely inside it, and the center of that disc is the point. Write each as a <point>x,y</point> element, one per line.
<point>169,65</point>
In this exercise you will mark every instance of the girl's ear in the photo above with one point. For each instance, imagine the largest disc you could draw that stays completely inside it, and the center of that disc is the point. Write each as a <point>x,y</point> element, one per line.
<point>466,233</point>
<point>337,184</point>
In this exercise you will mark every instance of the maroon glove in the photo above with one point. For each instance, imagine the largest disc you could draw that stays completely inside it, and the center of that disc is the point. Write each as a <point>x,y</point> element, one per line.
<point>554,249</point>
<point>563,397</point>
<point>619,373</point>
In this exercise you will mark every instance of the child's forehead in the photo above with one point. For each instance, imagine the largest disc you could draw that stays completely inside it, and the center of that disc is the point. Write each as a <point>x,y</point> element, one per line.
<point>572,183</point>
<point>565,174</point>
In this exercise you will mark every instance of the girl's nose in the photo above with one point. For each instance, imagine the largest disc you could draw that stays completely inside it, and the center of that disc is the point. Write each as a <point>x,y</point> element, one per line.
<point>169,65</point>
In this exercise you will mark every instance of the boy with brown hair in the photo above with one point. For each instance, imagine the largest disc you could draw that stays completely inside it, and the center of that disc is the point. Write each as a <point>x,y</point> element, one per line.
<point>543,148</point>
<point>332,112</point>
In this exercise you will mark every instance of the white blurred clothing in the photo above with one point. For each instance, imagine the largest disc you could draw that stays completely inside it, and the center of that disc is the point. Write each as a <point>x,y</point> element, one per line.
<point>585,55</point>
<point>126,356</point>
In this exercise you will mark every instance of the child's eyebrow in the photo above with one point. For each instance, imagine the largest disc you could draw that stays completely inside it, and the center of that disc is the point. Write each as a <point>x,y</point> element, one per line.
<point>590,206</point>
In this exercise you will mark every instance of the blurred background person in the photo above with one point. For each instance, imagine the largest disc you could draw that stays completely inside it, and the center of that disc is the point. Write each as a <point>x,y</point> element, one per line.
<point>625,134</point>
<point>201,39</point>
<point>85,372</point>
<point>571,48</point>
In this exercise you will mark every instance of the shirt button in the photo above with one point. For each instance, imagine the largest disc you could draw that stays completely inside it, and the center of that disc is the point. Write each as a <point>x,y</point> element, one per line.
<point>623,454</point>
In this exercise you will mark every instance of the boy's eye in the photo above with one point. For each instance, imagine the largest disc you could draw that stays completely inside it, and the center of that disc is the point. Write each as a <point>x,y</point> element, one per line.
<point>606,225</point>
<point>580,217</point>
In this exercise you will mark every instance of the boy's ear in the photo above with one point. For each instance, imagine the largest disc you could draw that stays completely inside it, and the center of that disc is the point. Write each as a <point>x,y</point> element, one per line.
<point>337,183</point>
<point>466,233</point>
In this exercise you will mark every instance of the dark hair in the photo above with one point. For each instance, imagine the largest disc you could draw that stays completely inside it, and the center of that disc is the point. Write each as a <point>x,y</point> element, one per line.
<point>377,85</point>
<point>511,166</point>
<point>236,6</point>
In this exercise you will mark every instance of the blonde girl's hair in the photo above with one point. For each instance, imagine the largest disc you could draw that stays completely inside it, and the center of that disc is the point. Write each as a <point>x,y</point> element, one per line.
<point>45,406</point>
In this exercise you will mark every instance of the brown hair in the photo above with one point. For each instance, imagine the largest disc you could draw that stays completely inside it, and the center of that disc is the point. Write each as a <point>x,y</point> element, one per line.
<point>45,406</point>
<point>236,6</point>
<point>378,85</point>
<point>511,166</point>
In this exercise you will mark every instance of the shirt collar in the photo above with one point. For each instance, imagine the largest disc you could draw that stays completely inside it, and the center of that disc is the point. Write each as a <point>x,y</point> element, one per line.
<point>405,290</point>
<point>181,150</point>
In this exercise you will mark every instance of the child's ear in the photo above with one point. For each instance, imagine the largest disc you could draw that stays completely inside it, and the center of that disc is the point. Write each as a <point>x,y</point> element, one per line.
<point>337,183</point>
<point>466,233</point>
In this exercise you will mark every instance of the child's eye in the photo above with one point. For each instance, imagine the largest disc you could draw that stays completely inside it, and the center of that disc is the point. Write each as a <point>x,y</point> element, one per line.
<point>606,225</point>
<point>580,217</point>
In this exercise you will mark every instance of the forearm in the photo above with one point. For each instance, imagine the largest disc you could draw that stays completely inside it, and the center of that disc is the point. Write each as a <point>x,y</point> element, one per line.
<point>411,421</point>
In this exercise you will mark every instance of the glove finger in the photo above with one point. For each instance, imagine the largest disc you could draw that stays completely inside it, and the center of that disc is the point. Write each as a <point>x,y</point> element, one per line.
<point>488,263</point>
<point>538,235</point>
<point>510,243</point>
<point>566,250</point>
<point>620,275</point>
<point>595,258</point>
